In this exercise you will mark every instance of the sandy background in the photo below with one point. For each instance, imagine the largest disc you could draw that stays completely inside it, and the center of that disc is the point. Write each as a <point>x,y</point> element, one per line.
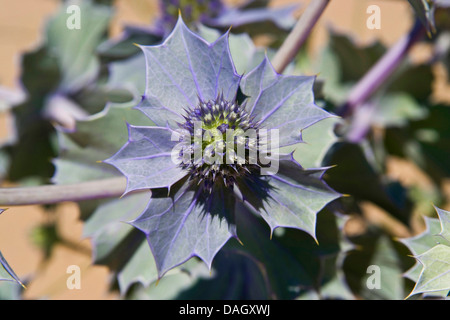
<point>21,22</point>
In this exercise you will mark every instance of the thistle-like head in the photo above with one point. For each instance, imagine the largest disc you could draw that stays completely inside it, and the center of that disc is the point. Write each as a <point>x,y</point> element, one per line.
<point>220,143</point>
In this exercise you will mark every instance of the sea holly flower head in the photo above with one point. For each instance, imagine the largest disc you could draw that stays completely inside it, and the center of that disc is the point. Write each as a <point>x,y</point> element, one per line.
<point>221,143</point>
<point>216,142</point>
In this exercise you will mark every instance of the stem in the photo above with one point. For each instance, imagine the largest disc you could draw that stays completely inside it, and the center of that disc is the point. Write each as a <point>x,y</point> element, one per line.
<point>97,189</point>
<point>382,70</point>
<point>299,34</point>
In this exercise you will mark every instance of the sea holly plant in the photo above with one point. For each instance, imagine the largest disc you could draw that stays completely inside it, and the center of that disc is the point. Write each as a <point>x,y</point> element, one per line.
<point>217,155</point>
<point>134,267</point>
<point>215,142</point>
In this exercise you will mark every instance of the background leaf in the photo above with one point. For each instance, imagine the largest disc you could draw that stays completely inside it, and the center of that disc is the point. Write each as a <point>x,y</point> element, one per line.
<point>431,248</point>
<point>75,49</point>
<point>435,275</point>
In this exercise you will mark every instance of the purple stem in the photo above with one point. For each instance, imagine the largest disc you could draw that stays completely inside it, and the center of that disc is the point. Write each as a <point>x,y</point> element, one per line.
<point>361,122</point>
<point>381,71</point>
<point>298,35</point>
<point>96,189</point>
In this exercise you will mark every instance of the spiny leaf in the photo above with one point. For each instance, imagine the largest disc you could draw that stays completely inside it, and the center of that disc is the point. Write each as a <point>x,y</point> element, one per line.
<point>249,271</point>
<point>146,159</point>
<point>292,198</point>
<point>245,55</point>
<point>182,70</point>
<point>444,219</point>
<point>6,272</point>
<point>318,139</point>
<point>431,248</point>
<point>435,275</point>
<point>282,102</point>
<point>184,225</point>
<point>427,239</point>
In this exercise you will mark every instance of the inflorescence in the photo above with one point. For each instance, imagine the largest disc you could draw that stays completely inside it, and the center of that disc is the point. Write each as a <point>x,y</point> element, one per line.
<point>221,143</point>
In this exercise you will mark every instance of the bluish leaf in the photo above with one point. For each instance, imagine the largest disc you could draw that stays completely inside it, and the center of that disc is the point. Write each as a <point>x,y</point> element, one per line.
<point>246,56</point>
<point>285,103</point>
<point>435,275</point>
<point>431,249</point>
<point>184,225</point>
<point>146,159</point>
<point>427,239</point>
<point>184,69</point>
<point>318,139</point>
<point>292,197</point>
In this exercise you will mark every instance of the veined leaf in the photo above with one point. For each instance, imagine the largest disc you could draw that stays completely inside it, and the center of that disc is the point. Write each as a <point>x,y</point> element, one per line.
<point>245,55</point>
<point>285,103</point>
<point>435,275</point>
<point>292,198</point>
<point>182,70</point>
<point>318,139</point>
<point>185,225</point>
<point>432,251</point>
